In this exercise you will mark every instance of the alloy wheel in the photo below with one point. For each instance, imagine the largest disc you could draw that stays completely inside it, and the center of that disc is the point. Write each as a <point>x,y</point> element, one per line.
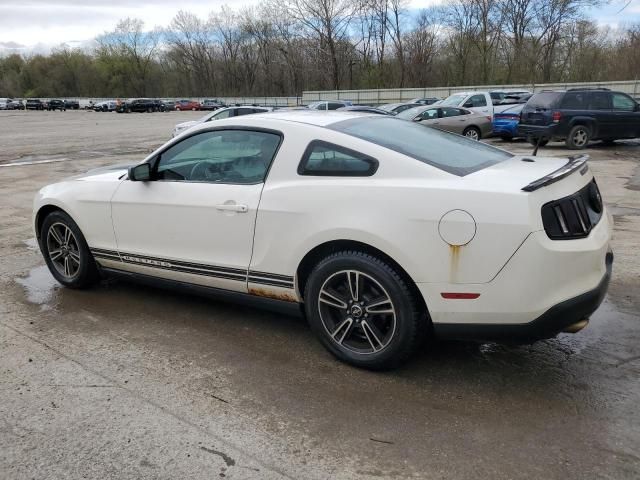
<point>580,137</point>
<point>357,312</point>
<point>472,134</point>
<point>63,250</point>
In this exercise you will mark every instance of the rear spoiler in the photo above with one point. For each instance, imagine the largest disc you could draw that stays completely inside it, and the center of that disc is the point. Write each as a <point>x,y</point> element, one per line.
<point>575,162</point>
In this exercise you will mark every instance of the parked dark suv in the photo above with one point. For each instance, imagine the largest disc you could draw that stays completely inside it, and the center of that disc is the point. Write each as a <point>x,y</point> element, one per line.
<point>34,104</point>
<point>141,105</point>
<point>578,116</point>
<point>56,104</point>
<point>72,104</point>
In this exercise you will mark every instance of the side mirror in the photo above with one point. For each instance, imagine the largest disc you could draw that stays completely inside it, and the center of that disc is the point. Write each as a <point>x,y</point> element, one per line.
<point>140,173</point>
<point>468,105</point>
<point>417,119</point>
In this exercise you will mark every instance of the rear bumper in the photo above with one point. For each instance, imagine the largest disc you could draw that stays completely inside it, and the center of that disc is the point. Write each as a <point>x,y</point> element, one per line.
<point>505,128</point>
<point>545,286</point>
<point>547,325</point>
<point>546,131</point>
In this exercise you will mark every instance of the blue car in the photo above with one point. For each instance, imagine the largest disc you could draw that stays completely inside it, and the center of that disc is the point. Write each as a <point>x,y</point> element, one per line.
<point>505,123</point>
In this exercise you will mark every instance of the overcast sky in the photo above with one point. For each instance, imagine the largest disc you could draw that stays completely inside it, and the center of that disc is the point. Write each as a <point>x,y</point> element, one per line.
<point>46,23</point>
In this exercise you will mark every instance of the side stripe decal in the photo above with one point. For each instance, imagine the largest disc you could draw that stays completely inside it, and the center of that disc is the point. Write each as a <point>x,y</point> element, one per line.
<point>241,275</point>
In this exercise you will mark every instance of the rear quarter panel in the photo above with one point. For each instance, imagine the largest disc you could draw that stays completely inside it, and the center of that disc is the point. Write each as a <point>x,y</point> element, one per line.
<point>396,211</point>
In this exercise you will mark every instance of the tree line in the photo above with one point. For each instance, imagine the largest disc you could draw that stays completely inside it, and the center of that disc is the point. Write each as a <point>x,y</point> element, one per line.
<point>283,47</point>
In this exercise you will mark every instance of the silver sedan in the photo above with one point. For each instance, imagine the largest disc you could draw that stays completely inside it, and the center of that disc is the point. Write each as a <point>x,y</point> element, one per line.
<point>457,120</point>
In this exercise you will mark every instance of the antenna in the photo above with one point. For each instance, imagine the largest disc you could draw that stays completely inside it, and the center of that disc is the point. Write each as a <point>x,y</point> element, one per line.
<point>535,149</point>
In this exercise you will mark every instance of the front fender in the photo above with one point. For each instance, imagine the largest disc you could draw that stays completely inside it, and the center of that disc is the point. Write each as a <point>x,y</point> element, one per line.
<point>87,202</point>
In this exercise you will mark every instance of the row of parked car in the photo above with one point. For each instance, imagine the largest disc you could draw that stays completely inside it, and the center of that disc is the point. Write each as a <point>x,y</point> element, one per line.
<point>575,116</point>
<point>37,104</point>
<point>154,105</point>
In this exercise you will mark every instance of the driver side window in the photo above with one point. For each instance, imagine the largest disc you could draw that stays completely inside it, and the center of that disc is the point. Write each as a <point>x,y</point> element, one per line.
<point>221,156</point>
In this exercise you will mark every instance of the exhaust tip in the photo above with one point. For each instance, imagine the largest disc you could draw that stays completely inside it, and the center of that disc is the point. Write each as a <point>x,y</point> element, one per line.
<point>576,327</point>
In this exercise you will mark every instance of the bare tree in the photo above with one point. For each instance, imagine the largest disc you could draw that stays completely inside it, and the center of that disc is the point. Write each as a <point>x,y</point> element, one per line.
<point>190,38</point>
<point>329,21</point>
<point>138,47</point>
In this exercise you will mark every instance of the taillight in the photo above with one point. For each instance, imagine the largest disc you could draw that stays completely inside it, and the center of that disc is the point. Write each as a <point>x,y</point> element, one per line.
<point>556,116</point>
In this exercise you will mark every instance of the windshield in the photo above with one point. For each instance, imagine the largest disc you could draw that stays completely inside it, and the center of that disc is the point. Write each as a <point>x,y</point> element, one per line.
<point>389,106</point>
<point>453,100</point>
<point>449,152</point>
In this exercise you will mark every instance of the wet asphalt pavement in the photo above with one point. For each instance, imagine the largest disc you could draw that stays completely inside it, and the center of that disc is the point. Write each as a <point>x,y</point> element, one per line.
<point>128,381</point>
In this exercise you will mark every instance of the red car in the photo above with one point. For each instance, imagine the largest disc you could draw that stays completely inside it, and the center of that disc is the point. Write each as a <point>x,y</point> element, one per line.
<point>187,105</point>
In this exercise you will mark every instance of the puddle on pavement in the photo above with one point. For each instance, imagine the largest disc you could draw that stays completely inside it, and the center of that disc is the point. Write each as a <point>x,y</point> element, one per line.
<point>32,244</point>
<point>40,286</point>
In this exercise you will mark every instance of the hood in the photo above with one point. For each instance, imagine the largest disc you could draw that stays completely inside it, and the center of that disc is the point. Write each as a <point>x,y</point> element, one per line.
<point>108,173</point>
<point>185,125</point>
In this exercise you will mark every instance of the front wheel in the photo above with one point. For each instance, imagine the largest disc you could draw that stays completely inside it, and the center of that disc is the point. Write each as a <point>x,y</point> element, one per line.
<point>364,311</point>
<point>66,252</point>
<point>472,132</point>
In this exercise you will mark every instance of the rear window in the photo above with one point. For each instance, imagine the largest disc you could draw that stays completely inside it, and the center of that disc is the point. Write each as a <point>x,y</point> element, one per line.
<point>576,101</point>
<point>544,100</point>
<point>449,152</point>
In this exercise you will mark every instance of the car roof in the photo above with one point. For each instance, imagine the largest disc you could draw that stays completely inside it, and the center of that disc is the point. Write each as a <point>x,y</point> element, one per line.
<point>321,118</point>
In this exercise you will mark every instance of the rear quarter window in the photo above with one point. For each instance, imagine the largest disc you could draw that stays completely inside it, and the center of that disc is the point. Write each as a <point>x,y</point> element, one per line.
<point>326,159</point>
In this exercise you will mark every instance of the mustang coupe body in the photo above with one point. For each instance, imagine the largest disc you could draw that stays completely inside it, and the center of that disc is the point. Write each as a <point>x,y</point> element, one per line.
<point>385,231</point>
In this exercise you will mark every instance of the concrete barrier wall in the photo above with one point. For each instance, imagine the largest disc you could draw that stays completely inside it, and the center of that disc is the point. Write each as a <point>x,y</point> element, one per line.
<point>270,101</point>
<point>393,95</point>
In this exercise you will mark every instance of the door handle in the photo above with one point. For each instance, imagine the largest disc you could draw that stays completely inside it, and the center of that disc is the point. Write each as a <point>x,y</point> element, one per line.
<point>232,207</point>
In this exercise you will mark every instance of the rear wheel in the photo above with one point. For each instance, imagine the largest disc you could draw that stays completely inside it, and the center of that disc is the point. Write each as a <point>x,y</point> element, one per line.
<point>578,138</point>
<point>506,138</point>
<point>472,132</point>
<point>363,311</point>
<point>66,252</point>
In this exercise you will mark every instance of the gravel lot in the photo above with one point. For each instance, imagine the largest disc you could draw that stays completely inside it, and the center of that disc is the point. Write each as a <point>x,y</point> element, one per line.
<point>125,381</point>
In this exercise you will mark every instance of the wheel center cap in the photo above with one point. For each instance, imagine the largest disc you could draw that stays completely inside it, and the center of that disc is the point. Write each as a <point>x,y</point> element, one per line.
<point>356,311</point>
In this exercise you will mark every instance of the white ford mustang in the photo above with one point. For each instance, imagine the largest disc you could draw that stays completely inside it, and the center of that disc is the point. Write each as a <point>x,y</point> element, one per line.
<point>385,230</point>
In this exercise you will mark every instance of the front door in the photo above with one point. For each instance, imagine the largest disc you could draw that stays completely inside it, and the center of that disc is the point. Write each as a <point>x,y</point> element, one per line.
<point>626,116</point>
<point>194,220</point>
<point>478,103</point>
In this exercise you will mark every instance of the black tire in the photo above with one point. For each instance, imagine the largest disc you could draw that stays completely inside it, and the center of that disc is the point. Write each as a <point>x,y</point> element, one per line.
<point>86,273</point>
<point>578,137</point>
<point>472,133</point>
<point>506,138</point>
<point>534,141</point>
<point>402,331</point>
